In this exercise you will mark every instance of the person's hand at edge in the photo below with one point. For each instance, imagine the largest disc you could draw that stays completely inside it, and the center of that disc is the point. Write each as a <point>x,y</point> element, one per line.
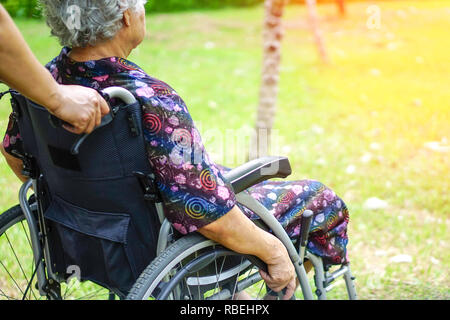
<point>81,107</point>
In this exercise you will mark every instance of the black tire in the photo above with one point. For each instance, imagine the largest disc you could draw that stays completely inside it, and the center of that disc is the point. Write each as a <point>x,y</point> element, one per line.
<point>9,216</point>
<point>17,265</point>
<point>190,252</point>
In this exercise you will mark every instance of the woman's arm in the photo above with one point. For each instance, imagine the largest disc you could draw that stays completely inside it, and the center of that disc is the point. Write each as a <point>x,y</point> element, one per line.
<point>238,233</point>
<point>19,69</point>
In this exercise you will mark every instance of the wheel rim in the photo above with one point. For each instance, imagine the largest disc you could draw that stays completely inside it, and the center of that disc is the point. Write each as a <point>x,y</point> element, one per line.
<point>17,267</point>
<point>189,285</point>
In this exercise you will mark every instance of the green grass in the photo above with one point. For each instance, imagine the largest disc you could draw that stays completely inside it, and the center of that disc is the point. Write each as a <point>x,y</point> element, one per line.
<point>385,94</point>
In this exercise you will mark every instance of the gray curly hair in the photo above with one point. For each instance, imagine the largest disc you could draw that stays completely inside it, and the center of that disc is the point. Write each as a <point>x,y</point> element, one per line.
<point>79,23</point>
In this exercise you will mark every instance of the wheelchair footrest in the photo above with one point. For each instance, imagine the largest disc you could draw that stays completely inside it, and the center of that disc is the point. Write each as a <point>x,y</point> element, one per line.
<point>336,274</point>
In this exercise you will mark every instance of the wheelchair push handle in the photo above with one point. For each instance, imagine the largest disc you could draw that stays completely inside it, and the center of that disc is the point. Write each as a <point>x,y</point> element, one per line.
<point>108,94</point>
<point>302,240</point>
<point>120,93</point>
<point>305,225</point>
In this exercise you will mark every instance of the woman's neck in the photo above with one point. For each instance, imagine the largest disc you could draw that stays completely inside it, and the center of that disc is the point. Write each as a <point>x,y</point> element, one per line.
<point>103,50</point>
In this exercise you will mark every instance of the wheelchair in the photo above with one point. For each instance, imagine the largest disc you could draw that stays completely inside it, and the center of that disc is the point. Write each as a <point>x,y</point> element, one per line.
<point>103,234</point>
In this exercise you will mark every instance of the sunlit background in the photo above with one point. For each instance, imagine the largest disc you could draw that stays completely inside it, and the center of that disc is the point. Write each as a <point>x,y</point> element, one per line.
<point>373,123</point>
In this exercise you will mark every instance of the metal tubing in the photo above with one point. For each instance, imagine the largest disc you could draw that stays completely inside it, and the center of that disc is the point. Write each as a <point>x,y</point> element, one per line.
<point>302,241</point>
<point>319,275</point>
<point>34,236</point>
<point>160,210</point>
<point>302,253</point>
<point>336,274</point>
<point>163,237</point>
<point>46,248</point>
<point>121,93</point>
<point>351,290</point>
<point>225,293</point>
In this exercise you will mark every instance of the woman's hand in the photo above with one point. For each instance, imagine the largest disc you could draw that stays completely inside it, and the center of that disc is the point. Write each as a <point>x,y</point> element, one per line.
<point>281,272</point>
<point>81,107</point>
<point>236,232</point>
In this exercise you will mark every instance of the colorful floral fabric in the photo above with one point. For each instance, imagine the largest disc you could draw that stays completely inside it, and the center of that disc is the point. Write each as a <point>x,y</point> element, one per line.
<point>287,200</point>
<point>192,186</point>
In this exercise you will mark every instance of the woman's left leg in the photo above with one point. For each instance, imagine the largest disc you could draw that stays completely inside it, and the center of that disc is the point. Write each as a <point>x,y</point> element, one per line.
<point>287,200</point>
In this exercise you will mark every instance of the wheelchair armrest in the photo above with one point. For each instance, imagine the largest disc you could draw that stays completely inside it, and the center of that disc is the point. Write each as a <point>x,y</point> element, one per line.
<point>258,170</point>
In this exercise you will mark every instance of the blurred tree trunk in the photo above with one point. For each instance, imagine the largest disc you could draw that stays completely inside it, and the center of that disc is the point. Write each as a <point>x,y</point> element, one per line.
<point>341,7</point>
<point>314,25</point>
<point>272,36</point>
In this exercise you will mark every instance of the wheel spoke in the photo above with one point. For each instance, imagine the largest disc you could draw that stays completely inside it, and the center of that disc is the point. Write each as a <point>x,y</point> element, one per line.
<point>15,255</point>
<point>12,278</point>
<point>260,288</point>
<point>26,233</point>
<point>68,287</point>
<point>237,278</point>
<point>212,284</point>
<point>2,293</point>
<point>16,276</point>
<point>91,294</point>
<point>193,256</point>
<point>18,263</point>
<point>218,273</point>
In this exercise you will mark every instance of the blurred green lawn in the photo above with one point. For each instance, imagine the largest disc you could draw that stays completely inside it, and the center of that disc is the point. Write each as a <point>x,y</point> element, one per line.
<point>359,125</point>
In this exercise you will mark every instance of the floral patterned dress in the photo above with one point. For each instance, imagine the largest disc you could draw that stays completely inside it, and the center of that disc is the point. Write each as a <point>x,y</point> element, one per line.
<point>194,191</point>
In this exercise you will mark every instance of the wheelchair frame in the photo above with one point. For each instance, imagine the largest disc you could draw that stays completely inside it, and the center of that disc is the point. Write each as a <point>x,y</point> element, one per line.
<point>48,282</point>
<point>323,281</point>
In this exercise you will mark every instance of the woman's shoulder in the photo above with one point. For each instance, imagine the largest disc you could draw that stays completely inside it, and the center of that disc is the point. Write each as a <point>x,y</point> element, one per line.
<point>143,80</point>
<point>147,86</point>
<point>160,88</point>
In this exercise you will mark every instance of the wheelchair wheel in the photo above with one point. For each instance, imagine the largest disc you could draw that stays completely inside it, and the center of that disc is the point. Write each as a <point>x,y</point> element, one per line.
<point>17,268</point>
<point>196,268</point>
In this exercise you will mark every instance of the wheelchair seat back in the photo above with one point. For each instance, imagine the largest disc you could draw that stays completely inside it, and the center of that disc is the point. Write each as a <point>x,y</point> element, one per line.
<point>92,202</point>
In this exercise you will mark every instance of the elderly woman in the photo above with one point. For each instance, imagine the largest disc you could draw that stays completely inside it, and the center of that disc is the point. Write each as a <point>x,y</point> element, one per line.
<point>97,42</point>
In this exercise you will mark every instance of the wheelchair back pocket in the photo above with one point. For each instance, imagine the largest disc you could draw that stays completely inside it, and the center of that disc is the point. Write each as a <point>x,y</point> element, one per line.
<point>95,242</point>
